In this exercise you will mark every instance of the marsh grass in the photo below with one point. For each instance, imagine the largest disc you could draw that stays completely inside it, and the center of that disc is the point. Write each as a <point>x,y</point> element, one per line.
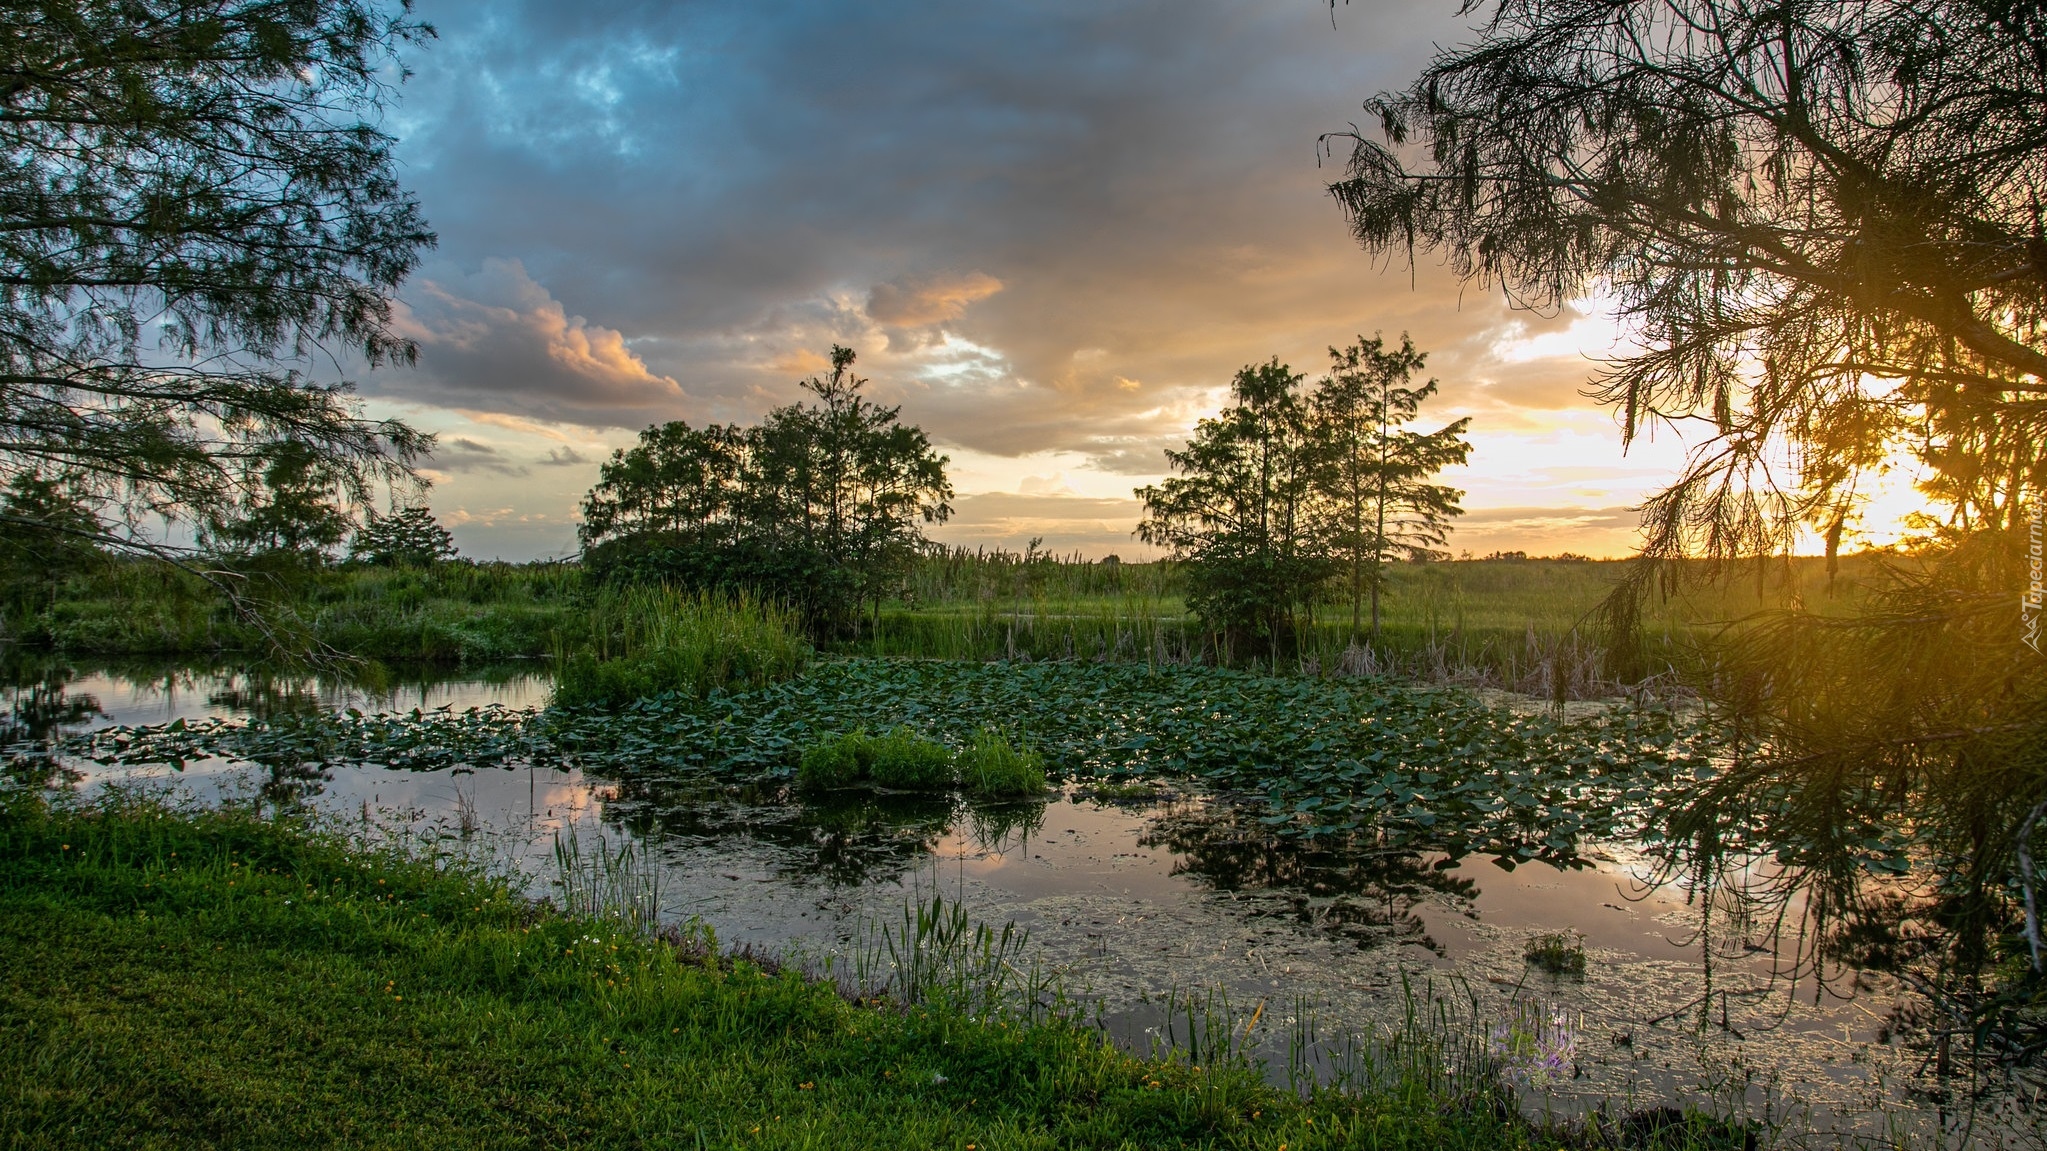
<point>900,759</point>
<point>991,764</point>
<point>618,885</point>
<point>1527,625</point>
<point>649,642</point>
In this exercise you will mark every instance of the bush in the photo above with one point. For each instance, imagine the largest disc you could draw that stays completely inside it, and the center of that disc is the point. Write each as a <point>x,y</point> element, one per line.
<point>992,765</point>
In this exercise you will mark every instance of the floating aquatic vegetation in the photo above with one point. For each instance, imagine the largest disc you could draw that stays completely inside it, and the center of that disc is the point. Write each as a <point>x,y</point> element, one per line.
<point>1333,757</point>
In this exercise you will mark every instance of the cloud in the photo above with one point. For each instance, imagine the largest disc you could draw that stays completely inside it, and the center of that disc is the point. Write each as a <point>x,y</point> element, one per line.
<point>460,454</point>
<point>496,341</point>
<point>564,457</point>
<point>1092,526</point>
<point>925,302</point>
<point>1049,228</point>
<point>1605,532</point>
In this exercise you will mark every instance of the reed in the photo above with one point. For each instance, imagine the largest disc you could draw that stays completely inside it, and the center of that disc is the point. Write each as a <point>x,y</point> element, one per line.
<point>647,642</point>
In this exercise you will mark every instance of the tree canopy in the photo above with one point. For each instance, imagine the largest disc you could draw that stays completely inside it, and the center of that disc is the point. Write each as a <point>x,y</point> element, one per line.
<point>197,202</point>
<point>1380,498</point>
<point>1291,484</point>
<point>821,503</point>
<point>405,537</point>
<point>1242,511</point>
<point>1820,218</point>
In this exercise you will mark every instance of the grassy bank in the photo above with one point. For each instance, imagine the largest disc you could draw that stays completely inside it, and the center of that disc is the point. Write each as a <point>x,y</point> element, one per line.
<point>210,980</point>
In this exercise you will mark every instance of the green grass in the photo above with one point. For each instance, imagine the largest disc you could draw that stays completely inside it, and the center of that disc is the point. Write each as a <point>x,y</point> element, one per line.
<point>453,613</point>
<point>183,980</point>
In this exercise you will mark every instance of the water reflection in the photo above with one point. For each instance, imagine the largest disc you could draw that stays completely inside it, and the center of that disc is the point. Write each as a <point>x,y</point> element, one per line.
<point>838,839</point>
<point>1356,885</point>
<point>37,708</point>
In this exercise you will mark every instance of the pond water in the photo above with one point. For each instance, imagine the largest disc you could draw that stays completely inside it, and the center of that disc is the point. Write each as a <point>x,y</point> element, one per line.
<point>1133,898</point>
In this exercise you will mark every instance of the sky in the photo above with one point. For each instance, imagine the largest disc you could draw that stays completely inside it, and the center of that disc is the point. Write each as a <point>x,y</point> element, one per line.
<point>1051,231</point>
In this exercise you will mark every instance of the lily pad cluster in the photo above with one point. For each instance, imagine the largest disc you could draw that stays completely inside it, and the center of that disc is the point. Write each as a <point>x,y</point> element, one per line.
<point>1331,757</point>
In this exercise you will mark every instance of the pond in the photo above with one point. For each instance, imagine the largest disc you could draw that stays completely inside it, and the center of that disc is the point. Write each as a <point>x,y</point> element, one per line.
<point>1138,892</point>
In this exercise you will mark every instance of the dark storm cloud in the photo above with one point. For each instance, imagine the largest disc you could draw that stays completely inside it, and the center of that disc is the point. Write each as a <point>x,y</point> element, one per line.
<point>1046,226</point>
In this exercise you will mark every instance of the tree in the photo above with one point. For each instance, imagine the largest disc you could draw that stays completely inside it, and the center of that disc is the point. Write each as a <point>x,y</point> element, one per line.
<point>677,479</point>
<point>1243,511</point>
<point>1377,481</point>
<point>1821,221</point>
<point>48,529</point>
<point>408,537</point>
<point>196,201</point>
<point>821,503</point>
<point>288,506</point>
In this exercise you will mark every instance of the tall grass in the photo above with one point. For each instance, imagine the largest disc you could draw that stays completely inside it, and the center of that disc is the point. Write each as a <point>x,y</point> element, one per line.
<point>615,886</point>
<point>646,642</point>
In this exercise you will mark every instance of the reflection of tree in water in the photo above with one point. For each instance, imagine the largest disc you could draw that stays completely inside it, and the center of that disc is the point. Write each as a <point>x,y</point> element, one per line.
<point>1356,885</point>
<point>844,839</point>
<point>40,711</point>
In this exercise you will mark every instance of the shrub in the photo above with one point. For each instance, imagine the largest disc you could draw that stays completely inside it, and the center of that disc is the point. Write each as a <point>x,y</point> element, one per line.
<point>992,765</point>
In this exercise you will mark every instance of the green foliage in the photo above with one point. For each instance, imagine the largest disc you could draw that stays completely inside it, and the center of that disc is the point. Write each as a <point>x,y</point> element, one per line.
<point>819,505</point>
<point>653,642</point>
<point>1557,952</point>
<point>899,758</point>
<point>197,190</point>
<point>48,529</point>
<point>288,505</point>
<point>833,762</point>
<point>1910,732</point>
<point>183,980</point>
<point>992,765</point>
<point>1288,486</point>
<point>1242,513</point>
<point>905,761</point>
<point>1376,483</point>
<point>409,537</point>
